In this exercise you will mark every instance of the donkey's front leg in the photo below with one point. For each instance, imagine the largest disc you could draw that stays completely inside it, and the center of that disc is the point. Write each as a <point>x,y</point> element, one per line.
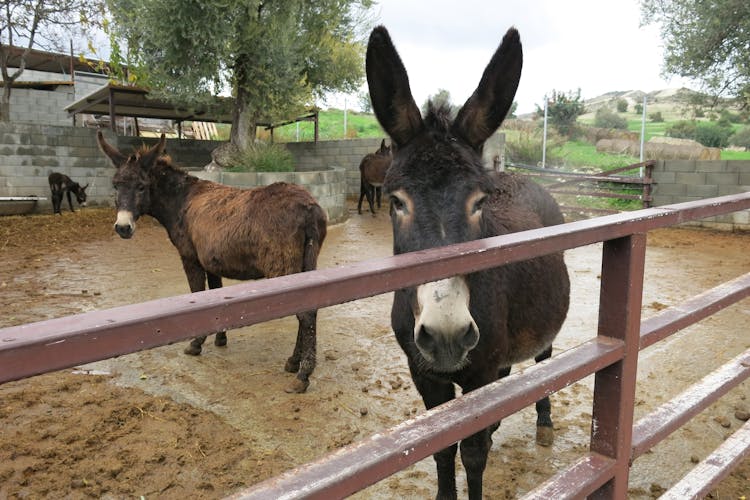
<point>474,451</point>
<point>435,392</point>
<point>196,277</point>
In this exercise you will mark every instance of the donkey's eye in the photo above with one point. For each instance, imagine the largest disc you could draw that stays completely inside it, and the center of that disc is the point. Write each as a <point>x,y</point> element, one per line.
<point>398,204</point>
<point>478,205</point>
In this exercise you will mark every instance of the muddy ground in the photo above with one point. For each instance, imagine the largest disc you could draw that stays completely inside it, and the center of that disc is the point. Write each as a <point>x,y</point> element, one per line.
<point>159,424</point>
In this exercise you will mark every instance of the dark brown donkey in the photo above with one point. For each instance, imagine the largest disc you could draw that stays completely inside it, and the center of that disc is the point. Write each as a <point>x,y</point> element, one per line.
<point>221,231</point>
<point>60,185</point>
<point>466,330</point>
<point>372,171</point>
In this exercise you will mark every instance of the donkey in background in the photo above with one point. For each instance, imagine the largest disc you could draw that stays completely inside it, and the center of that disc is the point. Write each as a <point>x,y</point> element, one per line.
<point>372,171</point>
<point>466,330</point>
<point>61,184</point>
<point>221,231</point>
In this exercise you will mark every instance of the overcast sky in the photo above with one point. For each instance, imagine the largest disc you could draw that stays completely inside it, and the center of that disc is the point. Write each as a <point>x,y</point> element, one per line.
<point>595,45</point>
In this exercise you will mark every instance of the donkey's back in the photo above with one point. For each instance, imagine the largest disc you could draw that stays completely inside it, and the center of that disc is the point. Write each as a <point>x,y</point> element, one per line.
<point>264,232</point>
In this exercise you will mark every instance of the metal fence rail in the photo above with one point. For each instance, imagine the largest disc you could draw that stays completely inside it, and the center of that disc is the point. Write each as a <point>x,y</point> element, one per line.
<point>603,184</point>
<point>36,348</point>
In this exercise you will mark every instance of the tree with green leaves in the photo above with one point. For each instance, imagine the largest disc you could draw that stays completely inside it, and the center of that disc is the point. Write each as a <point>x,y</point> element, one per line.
<point>47,25</point>
<point>275,56</point>
<point>706,42</point>
<point>563,109</point>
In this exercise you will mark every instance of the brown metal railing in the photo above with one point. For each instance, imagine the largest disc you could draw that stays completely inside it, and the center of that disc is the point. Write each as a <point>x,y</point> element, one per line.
<point>46,346</point>
<point>604,184</point>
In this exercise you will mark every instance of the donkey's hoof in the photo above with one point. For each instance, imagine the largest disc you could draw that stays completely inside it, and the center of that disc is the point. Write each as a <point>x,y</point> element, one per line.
<point>544,435</point>
<point>220,340</point>
<point>192,350</point>
<point>291,366</point>
<point>297,386</point>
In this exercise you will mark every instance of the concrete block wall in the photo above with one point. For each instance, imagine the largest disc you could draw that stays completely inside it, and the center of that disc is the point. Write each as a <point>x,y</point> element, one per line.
<point>41,106</point>
<point>679,181</point>
<point>31,152</point>
<point>345,153</point>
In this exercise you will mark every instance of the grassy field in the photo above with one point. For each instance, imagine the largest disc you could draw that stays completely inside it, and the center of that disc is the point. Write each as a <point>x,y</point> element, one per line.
<point>572,153</point>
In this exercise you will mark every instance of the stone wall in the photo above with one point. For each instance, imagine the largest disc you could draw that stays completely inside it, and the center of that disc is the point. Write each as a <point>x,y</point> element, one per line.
<point>345,153</point>
<point>679,181</point>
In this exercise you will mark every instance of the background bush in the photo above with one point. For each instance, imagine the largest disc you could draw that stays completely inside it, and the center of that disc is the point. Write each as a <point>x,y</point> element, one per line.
<point>525,146</point>
<point>713,135</point>
<point>606,118</point>
<point>263,157</point>
<point>741,138</point>
<point>710,134</point>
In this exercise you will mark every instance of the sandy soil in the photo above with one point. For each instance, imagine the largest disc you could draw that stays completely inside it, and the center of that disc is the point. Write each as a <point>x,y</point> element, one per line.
<point>160,424</point>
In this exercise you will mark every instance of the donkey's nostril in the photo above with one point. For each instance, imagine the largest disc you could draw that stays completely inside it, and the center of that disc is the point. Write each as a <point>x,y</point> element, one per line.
<point>425,341</point>
<point>125,231</point>
<point>470,338</point>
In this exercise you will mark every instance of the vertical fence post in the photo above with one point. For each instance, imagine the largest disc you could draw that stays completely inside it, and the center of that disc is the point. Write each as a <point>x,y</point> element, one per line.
<point>648,181</point>
<point>614,387</point>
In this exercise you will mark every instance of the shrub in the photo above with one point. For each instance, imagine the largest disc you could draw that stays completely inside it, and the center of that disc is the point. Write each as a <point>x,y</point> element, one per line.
<point>526,146</point>
<point>638,108</point>
<point>727,116</point>
<point>622,106</point>
<point>713,135</point>
<point>562,111</point>
<point>699,113</point>
<point>741,138</point>
<point>682,129</point>
<point>263,157</point>
<point>656,117</point>
<point>606,118</point>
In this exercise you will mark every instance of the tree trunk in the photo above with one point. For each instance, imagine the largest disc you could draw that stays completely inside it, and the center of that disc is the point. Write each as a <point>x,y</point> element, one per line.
<point>5,102</point>
<point>244,122</point>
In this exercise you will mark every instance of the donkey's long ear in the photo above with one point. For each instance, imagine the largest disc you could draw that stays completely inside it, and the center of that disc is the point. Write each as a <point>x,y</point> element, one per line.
<point>390,93</point>
<point>117,158</point>
<point>149,157</point>
<point>485,110</point>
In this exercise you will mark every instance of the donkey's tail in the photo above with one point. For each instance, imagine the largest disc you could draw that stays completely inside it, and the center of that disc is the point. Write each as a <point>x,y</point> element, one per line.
<point>315,233</point>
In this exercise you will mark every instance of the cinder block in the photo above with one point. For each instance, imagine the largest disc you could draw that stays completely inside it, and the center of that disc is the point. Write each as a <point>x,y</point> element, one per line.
<point>668,189</point>
<point>703,191</point>
<point>725,179</point>
<point>694,179</point>
<point>710,166</point>
<point>679,166</point>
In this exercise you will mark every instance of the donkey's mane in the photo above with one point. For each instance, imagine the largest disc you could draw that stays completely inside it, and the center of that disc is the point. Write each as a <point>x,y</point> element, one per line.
<point>164,161</point>
<point>439,117</point>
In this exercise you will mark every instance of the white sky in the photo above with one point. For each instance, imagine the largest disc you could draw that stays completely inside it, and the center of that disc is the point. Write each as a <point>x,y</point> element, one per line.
<point>595,45</point>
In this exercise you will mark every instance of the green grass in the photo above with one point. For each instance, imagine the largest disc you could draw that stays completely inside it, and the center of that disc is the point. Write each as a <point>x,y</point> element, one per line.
<point>583,154</point>
<point>331,127</point>
<point>727,154</point>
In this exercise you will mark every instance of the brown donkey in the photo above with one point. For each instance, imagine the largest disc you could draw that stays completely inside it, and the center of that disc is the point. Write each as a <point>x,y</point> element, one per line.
<point>372,171</point>
<point>221,231</point>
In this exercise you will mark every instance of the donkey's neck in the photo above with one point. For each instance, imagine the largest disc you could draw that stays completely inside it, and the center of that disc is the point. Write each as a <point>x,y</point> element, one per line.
<point>169,194</point>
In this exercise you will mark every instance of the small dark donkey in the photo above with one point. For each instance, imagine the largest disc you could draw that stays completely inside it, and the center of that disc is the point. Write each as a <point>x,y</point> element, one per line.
<point>466,330</point>
<point>61,184</point>
<point>372,171</point>
<point>221,231</point>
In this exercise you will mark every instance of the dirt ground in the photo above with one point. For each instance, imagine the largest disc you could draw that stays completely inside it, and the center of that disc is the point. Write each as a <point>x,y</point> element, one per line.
<point>159,424</point>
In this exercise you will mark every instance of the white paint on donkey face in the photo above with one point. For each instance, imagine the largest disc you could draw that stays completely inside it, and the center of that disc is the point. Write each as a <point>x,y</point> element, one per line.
<point>444,330</point>
<point>125,224</point>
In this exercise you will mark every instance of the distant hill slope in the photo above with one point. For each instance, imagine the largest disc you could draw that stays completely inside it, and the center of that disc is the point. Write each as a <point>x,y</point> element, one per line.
<point>673,103</point>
